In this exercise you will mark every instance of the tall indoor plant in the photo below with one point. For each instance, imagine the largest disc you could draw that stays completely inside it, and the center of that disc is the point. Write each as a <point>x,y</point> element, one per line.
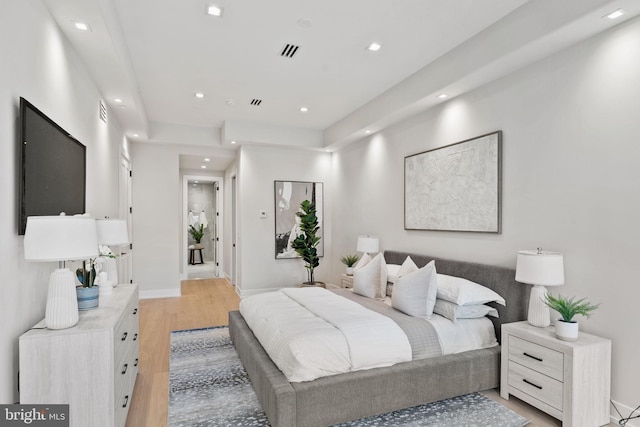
<point>305,244</point>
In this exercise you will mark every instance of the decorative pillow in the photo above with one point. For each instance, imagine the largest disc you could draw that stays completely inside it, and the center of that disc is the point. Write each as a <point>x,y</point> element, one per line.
<point>392,272</point>
<point>454,311</point>
<point>465,292</point>
<point>415,293</point>
<point>364,260</point>
<point>371,279</point>
<point>408,266</point>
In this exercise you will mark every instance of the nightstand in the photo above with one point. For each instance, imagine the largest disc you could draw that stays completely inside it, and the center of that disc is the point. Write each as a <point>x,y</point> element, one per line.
<point>568,380</point>
<point>346,281</point>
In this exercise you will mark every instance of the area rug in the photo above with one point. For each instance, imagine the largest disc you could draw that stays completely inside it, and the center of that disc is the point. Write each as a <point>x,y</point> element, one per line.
<point>209,387</point>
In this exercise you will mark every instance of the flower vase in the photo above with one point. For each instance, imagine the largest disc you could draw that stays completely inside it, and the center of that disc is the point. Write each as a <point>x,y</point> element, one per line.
<point>88,298</point>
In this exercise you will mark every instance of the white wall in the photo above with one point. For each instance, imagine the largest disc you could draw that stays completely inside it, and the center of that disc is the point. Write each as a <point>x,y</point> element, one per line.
<point>570,181</point>
<point>258,168</point>
<point>39,65</point>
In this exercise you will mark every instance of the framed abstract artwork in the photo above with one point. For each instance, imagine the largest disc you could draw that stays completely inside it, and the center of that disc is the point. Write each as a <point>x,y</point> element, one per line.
<point>288,196</point>
<point>457,187</point>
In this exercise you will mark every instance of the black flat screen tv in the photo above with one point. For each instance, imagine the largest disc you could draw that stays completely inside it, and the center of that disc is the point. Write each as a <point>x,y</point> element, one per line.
<point>52,168</point>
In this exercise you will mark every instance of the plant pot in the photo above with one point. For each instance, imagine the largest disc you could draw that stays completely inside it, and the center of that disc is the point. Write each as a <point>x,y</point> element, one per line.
<point>313,285</point>
<point>567,331</point>
<point>349,271</point>
<point>88,298</point>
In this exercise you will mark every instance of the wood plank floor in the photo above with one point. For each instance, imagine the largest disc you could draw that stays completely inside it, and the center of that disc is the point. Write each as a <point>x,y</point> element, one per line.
<point>206,303</point>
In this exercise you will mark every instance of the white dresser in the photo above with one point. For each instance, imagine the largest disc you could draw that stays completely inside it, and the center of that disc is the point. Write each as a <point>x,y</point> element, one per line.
<point>568,380</point>
<point>91,366</point>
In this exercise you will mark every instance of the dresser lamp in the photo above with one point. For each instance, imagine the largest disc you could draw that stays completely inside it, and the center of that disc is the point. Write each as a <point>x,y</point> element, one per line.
<point>367,244</point>
<point>539,268</point>
<point>111,232</point>
<point>60,238</point>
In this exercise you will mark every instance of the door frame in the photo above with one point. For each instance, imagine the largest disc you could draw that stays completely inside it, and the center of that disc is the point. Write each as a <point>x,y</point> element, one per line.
<point>218,220</point>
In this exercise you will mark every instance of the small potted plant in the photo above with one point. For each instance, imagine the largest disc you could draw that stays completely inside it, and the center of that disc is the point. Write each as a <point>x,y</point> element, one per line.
<point>349,261</point>
<point>196,233</point>
<point>567,328</point>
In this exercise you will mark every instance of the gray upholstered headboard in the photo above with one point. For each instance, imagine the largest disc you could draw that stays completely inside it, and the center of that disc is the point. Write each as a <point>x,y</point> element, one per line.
<point>500,279</point>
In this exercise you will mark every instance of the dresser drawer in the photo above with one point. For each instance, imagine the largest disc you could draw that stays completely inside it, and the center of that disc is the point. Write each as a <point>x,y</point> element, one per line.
<point>126,331</point>
<point>536,357</point>
<point>535,384</point>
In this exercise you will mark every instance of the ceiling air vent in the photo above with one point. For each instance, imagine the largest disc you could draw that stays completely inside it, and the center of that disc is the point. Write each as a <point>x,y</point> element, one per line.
<point>256,102</point>
<point>289,50</point>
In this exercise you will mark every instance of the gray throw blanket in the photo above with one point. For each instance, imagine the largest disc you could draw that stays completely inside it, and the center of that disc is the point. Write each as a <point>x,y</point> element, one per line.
<point>421,334</point>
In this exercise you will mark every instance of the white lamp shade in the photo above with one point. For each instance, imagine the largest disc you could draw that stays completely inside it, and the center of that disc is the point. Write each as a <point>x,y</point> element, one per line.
<point>112,231</point>
<point>367,244</point>
<point>540,268</point>
<point>60,238</point>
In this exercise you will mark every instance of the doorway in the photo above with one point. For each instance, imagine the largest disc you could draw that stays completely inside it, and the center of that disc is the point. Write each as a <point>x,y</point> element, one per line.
<point>202,236</point>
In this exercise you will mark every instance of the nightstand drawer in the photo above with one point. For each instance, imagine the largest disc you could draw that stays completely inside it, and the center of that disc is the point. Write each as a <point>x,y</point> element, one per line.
<point>535,384</point>
<point>536,357</point>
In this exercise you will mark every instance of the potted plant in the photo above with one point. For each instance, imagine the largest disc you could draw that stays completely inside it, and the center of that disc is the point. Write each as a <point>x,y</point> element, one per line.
<point>88,292</point>
<point>567,328</point>
<point>305,244</point>
<point>196,233</point>
<point>349,261</point>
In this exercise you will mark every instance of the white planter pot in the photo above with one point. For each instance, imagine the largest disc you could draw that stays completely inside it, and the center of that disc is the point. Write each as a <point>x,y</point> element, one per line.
<point>350,271</point>
<point>567,331</point>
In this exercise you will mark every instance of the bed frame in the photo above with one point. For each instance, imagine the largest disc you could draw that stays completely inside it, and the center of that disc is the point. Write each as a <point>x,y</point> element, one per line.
<point>340,398</point>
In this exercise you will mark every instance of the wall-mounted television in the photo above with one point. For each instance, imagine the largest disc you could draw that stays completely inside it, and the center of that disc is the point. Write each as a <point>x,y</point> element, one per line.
<point>52,168</point>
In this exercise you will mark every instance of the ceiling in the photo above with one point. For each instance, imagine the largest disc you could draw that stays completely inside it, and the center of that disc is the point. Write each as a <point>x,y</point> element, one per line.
<point>155,55</point>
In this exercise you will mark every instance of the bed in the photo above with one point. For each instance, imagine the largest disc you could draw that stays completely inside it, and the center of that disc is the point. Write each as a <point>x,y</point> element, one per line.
<point>364,393</point>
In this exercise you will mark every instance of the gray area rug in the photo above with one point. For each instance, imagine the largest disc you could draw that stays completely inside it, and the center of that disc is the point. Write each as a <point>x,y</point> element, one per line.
<point>209,387</point>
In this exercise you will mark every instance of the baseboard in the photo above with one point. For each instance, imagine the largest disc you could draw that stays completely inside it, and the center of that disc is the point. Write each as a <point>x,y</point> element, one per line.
<point>160,293</point>
<point>625,411</point>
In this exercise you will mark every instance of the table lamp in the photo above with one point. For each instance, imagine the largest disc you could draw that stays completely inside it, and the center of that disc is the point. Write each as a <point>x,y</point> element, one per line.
<point>367,244</point>
<point>539,268</point>
<point>112,232</point>
<point>60,238</point>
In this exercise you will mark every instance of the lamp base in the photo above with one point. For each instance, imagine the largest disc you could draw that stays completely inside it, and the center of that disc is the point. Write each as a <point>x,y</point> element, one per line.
<point>538,311</point>
<point>62,302</point>
<point>111,267</point>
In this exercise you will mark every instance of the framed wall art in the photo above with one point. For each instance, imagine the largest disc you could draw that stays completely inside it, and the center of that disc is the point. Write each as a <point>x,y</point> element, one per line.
<point>456,187</point>
<point>288,196</point>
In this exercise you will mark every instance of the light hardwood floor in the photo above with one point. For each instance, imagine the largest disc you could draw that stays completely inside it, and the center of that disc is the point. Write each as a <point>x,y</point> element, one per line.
<point>206,303</point>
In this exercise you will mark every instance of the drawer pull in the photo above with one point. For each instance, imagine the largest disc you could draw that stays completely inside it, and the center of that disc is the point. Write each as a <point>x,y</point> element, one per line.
<point>126,401</point>
<point>533,357</point>
<point>136,364</point>
<point>124,336</point>
<point>124,368</point>
<point>135,310</point>
<point>135,337</point>
<point>532,384</point>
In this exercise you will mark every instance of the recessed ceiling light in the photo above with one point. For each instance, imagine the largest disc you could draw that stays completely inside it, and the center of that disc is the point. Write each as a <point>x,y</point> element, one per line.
<point>367,131</point>
<point>233,142</point>
<point>82,26</point>
<point>207,159</point>
<point>203,167</point>
<point>304,23</point>
<point>135,135</point>
<point>443,96</point>
<point>374,47</point>
<point>117,100</point>
<point>304,109</point>
<point>199,95</point>
<point>122,107</point>
<point>214,10</point>
<point>196,181</point>
<point>231,102</point>
<point>615,14</point>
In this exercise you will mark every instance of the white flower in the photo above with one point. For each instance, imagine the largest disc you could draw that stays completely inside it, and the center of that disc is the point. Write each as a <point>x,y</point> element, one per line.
<point>106,251</point>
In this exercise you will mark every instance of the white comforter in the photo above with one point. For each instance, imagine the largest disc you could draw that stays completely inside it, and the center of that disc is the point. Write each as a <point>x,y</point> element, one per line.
<point>331,335</point>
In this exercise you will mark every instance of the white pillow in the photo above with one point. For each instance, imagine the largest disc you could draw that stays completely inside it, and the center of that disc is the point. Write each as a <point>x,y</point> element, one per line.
<point>364,260</point>
<point>392,272</point>
<point>465,292</point>
<point>415,293</point>
<point>371,280</point>
<point>408,266</point>
<point>454,311</point>
<point>395,271</point>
